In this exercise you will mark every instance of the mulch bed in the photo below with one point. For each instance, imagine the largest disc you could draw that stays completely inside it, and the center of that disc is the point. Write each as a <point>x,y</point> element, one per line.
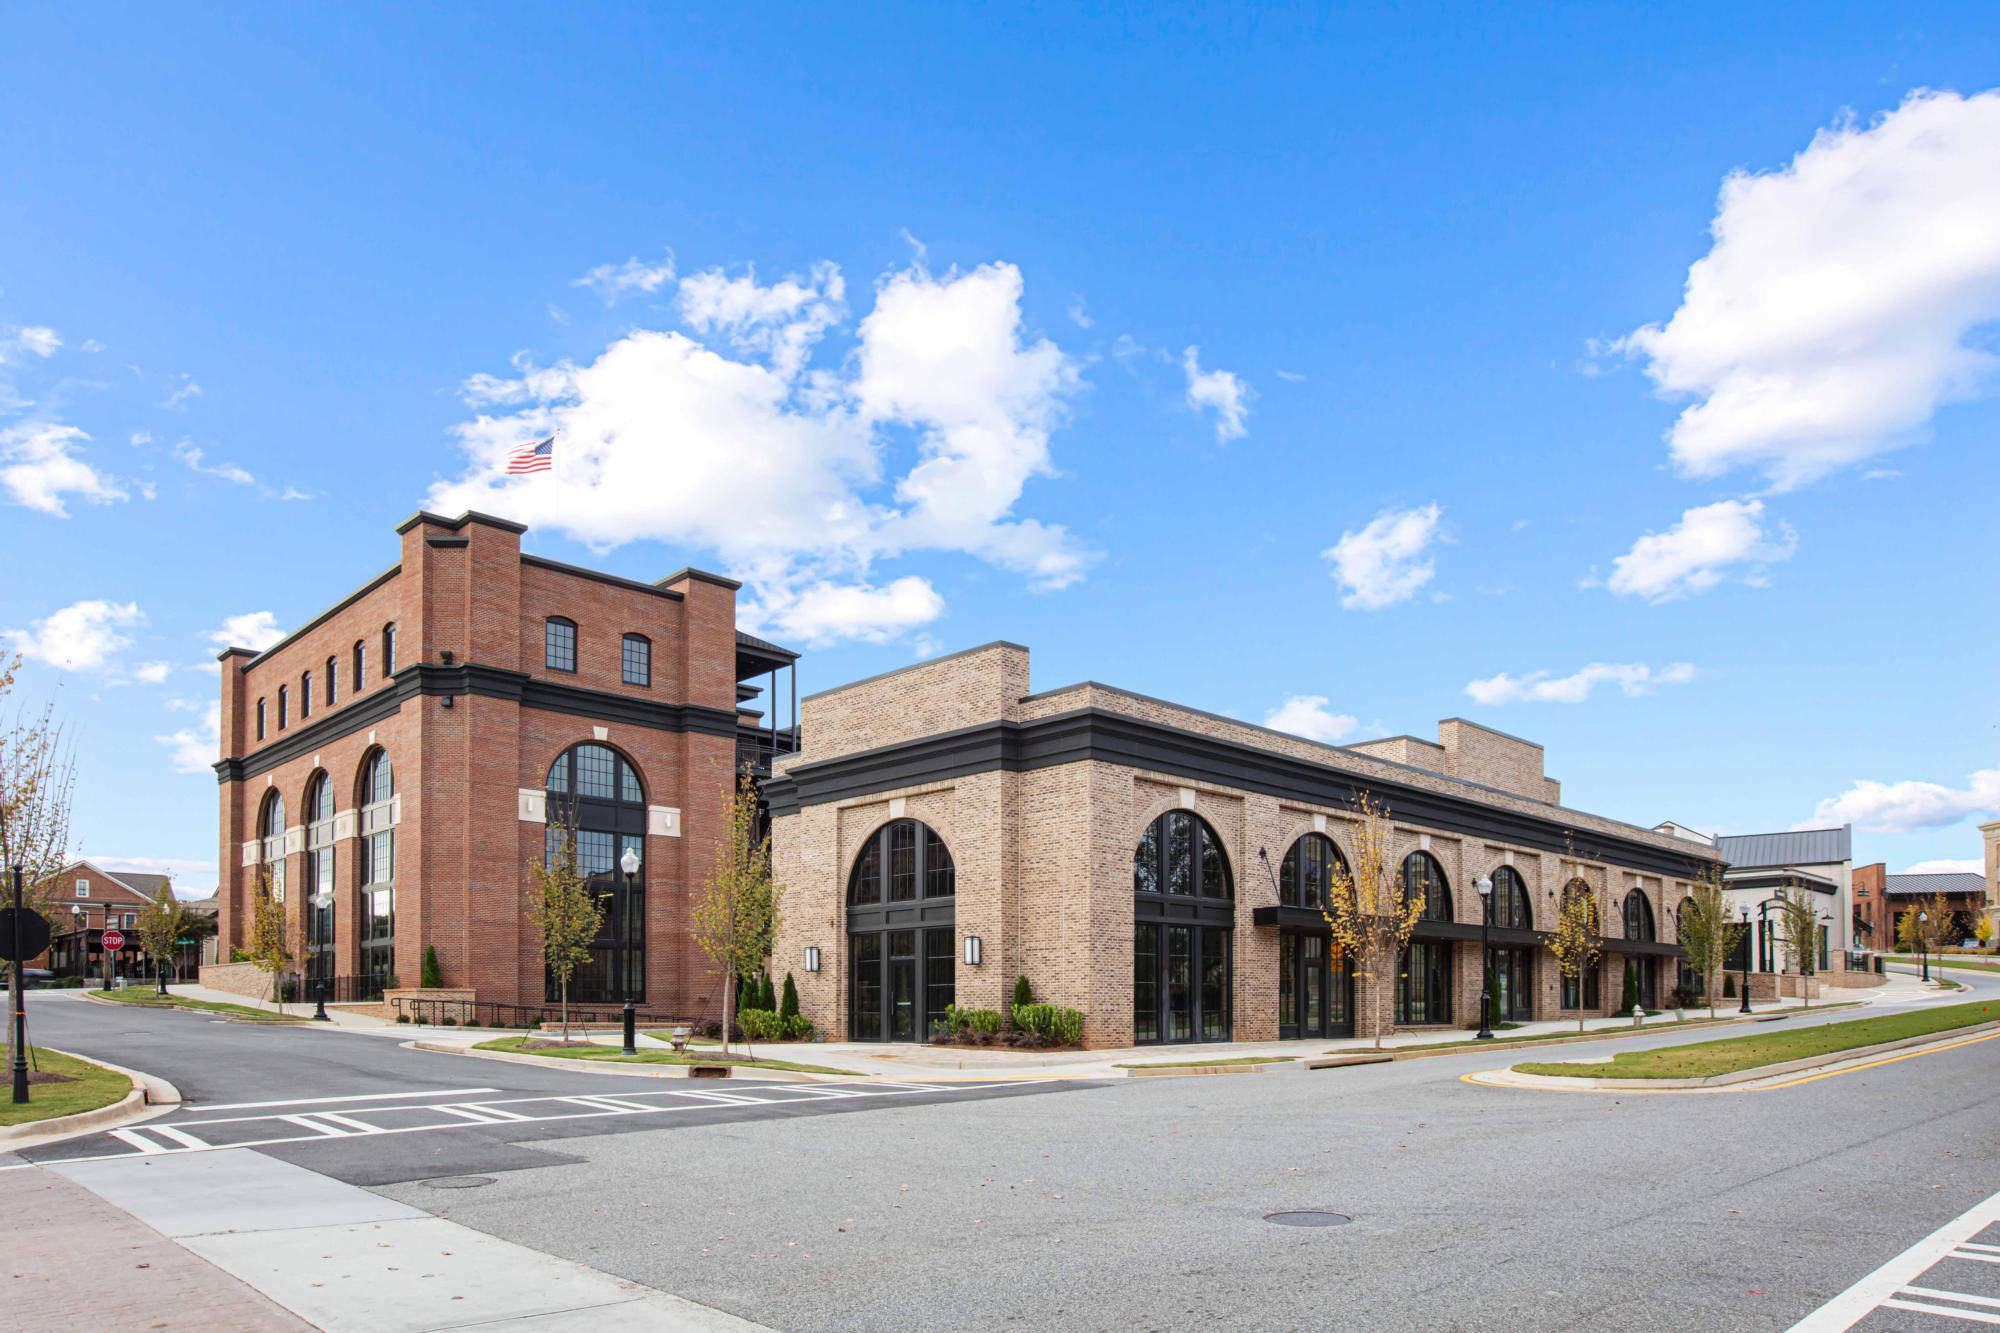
<point>48,1076</point>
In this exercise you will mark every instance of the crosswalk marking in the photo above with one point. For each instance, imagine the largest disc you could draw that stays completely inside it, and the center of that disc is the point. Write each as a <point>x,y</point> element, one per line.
<point>179,1136</point>
<point>1954,1296</point>
<point>1884,1287</point>
<point>316,1126</point>
<point>133,1137</point>
<point>1975,1316</point>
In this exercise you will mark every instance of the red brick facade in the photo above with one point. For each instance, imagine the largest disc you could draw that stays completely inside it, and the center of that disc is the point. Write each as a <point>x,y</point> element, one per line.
<point>471,719</point>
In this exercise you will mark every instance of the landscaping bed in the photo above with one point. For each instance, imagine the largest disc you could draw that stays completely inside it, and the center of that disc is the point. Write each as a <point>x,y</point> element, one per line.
<point>64,1085</point>
<point>612,1055</point>
<point>1707,1059</point>
<point>146,999</point>
<point>1209,1064</point>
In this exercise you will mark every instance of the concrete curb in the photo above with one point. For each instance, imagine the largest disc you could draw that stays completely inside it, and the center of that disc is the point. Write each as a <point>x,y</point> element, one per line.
<point>1739,1080</point>
<point>1173,1071</point>
<point>92,997</point>
<point>150,1096</point>
<point>622,1071</point>
<point>1612,1034</point>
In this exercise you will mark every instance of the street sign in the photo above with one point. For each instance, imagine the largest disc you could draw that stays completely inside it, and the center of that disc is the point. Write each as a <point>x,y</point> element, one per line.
<point>114,940</point>
<point>24,933</point>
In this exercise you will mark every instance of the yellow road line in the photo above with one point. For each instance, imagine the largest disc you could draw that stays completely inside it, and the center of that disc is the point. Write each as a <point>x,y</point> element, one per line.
<point>1872,1064</point>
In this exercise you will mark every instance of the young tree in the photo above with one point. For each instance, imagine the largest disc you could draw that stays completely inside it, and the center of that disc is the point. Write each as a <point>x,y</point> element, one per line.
<point>1800,915</point>
<point>1940,924</point>
<point>564,911</point>
<point>1983,931</point>
<point>37,777</point>
<point>736,913</point>
<point>160,925</point>
<point>1576,941</point>
<point>270,943</point>
<point>1709,933</point>
<point>1370,918</point>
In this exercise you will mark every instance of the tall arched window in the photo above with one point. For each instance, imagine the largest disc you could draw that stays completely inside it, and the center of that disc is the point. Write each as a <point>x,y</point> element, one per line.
<point>377,912</point>
<point>271,844</point>
<point>1511,908</point>
<point>283,709</point>
<point>305,695</point>
<point>1315,988</point>
<point>1638,916</point>
<point>901,933</point>
<point>1305,878</point>
<point>1641,968</point>
<point>360,666</point>
<point>1512,965</point>
<point>1582,992</point>
<point>319,879</point>
<point>1181,936</point>
<point>332,681</point>
<point>595,793</point>
<point>635,660</point>
<point>1423,982</point>
<point>389,650</point>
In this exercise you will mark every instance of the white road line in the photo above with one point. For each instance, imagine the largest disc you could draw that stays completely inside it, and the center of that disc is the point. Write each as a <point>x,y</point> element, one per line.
<point>611,1103</point>
<point>307,1122</point>
<point>1981,1258</point>
<point>356,1097</point>
<point>1952,1296</point>
<point>1975,1316</point>
<point>144,1145</point>
<point>1850,1307</point>
<point>177,1136</point>
<point>347,1122</point>
<point>1983,1249</point>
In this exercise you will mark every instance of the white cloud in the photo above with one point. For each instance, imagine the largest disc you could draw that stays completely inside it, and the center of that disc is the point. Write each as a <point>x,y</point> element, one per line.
<point>1842,300</point>
<point>196,750</point>
<point>152,673</point>
<point>83,636</point>
<point>1384,563</point>
<point>1078,313</point>
<point>781,321</point>
<point>613,281</point>
<point>1306,715</point>
<point>1633,678</point>
<point>1903,807</point>
<point>39,466</point>
<point>1708,545</point>
<point>255,630</point>
<point>1219,391</point>
<point>186,390</point>
<point>191,458</point>
<point>36,339</point>
<point>1947,866</point>
<point>1290,376</point>
<point>780,468</point>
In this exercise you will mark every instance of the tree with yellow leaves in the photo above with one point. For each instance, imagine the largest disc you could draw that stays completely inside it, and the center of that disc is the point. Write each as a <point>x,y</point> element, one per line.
<point>1369,915</point>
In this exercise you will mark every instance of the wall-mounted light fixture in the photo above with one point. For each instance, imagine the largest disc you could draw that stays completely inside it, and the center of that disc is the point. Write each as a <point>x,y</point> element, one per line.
<point>812,958</point>
<point>973,951</point>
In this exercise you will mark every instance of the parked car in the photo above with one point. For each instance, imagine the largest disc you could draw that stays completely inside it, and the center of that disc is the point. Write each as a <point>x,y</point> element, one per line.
<point>32,977</point>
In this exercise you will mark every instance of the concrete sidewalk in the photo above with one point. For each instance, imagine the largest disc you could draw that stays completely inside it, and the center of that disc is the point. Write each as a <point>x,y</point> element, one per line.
<point>241,1240</point>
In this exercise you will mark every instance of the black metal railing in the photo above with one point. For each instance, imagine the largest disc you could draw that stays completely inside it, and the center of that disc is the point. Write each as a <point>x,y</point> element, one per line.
<point>489,1014</point>
<point>296,988</point>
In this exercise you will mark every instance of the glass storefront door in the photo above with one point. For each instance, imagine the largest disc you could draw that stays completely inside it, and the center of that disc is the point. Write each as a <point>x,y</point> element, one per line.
<point>1180,983</point>
<point>1315,994</point>
<point>1514,973</point>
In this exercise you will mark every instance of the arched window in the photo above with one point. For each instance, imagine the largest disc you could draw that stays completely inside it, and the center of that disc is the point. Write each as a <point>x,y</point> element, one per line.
<point>260,719</point>
<point>319,879</point>
<point>559,635</point>
<point>901,933</point>
<point>282,709</point>
<point>332,681</point>
<point>389,650</point>
<point>1181,941</point>
<point>377,913</point>
<point>305,695</point>
<point>1511,908</point>
<point>1582,992</point>
<point>595,794</point>
<point>636,660</point>
<point>360,666</point>
<point>1305,878</point>
<point>1638,916</point>
<point>1422,874</point>
<point>271,844</point>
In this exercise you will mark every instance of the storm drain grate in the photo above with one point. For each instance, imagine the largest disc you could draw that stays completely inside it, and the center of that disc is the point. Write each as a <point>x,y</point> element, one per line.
<point>1308,1218</point>
<point>459,1182</point>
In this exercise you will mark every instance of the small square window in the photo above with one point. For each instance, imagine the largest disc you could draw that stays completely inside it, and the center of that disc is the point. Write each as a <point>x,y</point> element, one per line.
<point>561,641</point>
<point>83,888</point>
<point>638,660</point>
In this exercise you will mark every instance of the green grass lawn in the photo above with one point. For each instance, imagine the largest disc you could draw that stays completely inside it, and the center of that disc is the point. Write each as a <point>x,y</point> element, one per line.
<point>95,1086</point>
<point>1469,1043</point>
<point>1203,1064</point>
<point>1705,1059</point>
<point>146,999</point>
<point>1944,960</point>
<point>610,1055</point>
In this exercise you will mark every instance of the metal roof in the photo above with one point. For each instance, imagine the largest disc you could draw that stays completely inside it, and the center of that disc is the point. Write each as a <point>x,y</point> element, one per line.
<point>1923,886</point>
<point>1806,847</point>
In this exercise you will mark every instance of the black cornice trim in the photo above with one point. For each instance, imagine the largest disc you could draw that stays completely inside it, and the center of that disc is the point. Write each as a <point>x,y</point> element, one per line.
<point>700,576</point>
<point>1096,734</point>
<point>425,678</point>
<point>447,543</point>
<point>454,524</point>
<point>598,576</point>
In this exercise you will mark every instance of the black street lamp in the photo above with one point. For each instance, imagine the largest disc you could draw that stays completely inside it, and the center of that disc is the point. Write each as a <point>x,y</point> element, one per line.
<point>629,863</point>
<point>1745,909</point>
<point>1924,941</point>
<point>1486,954</point>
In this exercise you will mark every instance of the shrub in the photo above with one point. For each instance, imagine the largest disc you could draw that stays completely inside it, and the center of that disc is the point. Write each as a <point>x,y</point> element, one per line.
<point>1630,1000</point>
<point>450,1022</point>
<point>788,1007</point>
<point>958,1020</point>
<point>759,1024</point>
<point>1049,1024</point>
<point>433,975</point>
<point>1729,987</point>
<point>794,1027</point>
<point>472,1022</point>
<point>1022,993</point>
<point>746,994</point>
<point>1493,999</point>
<point>238,956</point>
<point>712,1029</point>
<point>402,1018</point>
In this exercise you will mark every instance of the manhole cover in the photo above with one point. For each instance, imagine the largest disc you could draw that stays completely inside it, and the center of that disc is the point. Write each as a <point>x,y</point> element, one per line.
<point>1309,1218</point>
<point>463,1182</point>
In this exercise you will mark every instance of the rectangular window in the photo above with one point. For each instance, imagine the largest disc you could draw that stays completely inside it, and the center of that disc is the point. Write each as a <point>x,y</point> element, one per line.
<point>360,664</point>
<point>902,862</point>
<point>389,649</point>
<point>1215,985</point>
<point>281,708</point>
<point>83,888</point>
<point>867,1020</point>
<point>260,719</point>
<point>332,681</point>
<point>1180,983</point>
<point>1145,982</point>
<point>902,985</point>
<point>940,962</point>
<point>638,660</point>
<point>306,695</point>
<point>560,637</point>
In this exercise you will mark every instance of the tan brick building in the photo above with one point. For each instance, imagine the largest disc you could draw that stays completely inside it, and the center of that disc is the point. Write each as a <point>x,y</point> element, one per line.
<point>391,768</point>
<point>944,829</point>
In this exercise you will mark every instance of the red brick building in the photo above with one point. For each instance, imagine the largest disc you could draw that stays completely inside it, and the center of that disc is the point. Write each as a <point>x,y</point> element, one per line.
<point>392,768</point>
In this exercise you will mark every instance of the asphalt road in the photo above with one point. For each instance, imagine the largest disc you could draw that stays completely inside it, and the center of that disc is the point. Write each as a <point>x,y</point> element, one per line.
<point>1142,1204</point>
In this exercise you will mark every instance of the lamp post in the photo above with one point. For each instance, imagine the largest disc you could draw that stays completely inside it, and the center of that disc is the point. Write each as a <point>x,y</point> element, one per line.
<point>1486,955</point>
<point>629,863</point>
<point>1745,909</point>
<point>1924,941</point>
<point>106,987</point>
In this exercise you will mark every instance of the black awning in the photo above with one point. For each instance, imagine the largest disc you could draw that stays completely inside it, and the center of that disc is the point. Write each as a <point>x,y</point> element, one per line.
<point>1642,948</point>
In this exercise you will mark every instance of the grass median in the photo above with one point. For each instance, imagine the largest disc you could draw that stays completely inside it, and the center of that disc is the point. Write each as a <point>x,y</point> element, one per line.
<point>61,1084</point>
<point>611,1055</point>
<point>145,999</point>
<point>1706,1059</point>
<point>1943,960</point>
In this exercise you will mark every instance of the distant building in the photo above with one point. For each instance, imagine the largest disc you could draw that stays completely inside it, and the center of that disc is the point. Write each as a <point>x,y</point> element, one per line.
<point>83,900</point>
<point>1891,897</point>
<point>1991,834</point>
<point>1820,861</point>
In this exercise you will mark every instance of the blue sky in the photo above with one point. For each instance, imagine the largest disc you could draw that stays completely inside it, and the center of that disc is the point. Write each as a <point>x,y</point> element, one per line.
<point>892,314</point>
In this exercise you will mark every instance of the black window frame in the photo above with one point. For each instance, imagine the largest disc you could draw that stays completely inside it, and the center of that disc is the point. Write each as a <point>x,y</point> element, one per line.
<point>333,680</point>
<point>896,993</point>
<point>643,676</point>
<point>559,635</point>
<point>305,695</point>
<point>283,710</point>
<point>607,811</point>
<point>1639,925</point>
<point>389,650</point>
<point>1510,891</point>
<point>1298,867</point>
<point>260,720</point>
<point>1183,939</point>
<point>1437,890</point>
<point>360,665</point>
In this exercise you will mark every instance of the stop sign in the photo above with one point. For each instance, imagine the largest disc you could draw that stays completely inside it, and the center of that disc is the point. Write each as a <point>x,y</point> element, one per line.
<point>114,940</point>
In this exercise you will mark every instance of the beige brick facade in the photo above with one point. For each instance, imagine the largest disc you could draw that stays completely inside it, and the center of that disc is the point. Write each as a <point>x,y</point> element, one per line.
<point>1043,837</point>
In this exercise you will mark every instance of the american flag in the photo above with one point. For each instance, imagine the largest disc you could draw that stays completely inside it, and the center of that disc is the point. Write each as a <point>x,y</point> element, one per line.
<point>532,458</point>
